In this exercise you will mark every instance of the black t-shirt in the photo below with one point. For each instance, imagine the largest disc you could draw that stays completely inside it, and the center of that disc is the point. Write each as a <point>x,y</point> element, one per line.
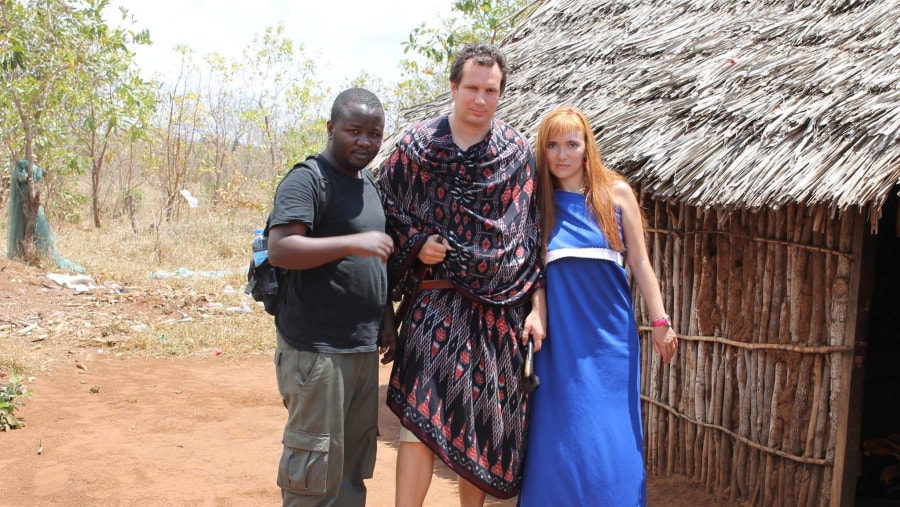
<point>336,307</point>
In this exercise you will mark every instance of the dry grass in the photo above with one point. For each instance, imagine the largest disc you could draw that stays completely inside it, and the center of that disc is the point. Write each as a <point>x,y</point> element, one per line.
<point>149,313</point>
<point>13,358</point>
<point>200,243</point>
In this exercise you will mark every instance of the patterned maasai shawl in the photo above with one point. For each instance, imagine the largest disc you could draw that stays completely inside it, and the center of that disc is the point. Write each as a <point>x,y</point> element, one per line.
<point>482,200</point>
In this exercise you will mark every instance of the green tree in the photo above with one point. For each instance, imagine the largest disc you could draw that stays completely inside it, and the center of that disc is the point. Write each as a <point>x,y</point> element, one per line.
<point>424,76</point>
<point>177,123</point>
<point>224,125</point>
<point>46,49</point>
<point>280,80</point>
<point>113,100</point>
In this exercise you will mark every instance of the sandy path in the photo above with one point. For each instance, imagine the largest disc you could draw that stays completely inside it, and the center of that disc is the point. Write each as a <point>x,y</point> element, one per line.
<point>196,431</point>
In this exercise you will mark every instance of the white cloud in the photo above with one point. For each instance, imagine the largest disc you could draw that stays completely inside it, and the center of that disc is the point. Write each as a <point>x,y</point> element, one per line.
<point>349,36</point>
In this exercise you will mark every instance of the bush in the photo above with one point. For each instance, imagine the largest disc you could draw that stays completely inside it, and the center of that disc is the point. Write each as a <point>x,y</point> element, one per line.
<point>11,395</point>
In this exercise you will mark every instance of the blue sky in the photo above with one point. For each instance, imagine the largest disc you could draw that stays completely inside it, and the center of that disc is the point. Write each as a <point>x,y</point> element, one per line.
<point>349,35</point>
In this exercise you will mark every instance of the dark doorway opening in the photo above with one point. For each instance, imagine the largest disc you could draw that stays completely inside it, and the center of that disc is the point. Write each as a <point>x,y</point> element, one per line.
<point>879,481</point>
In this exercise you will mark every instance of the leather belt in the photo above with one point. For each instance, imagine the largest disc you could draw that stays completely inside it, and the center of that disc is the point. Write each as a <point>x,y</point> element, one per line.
<point>442,283</point>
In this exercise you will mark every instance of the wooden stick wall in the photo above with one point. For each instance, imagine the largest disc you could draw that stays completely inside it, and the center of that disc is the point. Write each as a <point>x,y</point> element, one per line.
<point>759,301</point>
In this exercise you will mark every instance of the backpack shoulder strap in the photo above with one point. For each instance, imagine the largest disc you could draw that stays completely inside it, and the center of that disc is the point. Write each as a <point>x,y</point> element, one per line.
<point>312,164</point>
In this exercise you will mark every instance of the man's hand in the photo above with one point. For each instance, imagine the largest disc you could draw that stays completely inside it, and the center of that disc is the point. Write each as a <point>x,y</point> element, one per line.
<point>534,327</point>
<point>387,344</point>
<point>434,250</point>
<point>387,339</point>
<point>374,244</point>
<point>536,320</point>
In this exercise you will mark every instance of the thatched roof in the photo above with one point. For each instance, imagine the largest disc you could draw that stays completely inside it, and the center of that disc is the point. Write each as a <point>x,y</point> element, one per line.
<point>734,104</point>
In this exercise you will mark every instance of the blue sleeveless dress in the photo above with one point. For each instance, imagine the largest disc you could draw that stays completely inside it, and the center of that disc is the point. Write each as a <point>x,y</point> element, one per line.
<point>585,441</point>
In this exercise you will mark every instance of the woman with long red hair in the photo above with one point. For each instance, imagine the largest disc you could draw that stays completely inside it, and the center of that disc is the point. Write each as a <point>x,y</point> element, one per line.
<point>585,442</point>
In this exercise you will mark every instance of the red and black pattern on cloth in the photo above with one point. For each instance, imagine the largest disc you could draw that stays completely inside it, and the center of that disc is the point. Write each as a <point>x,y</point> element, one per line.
<point>481,200</point>
<point>456,387</point>
<point>456,376</point>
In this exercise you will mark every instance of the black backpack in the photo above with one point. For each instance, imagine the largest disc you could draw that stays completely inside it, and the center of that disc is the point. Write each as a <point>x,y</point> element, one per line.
<point>264,280</point>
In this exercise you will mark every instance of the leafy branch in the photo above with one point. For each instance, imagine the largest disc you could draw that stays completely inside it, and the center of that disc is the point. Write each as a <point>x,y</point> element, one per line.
<point>11,395</point>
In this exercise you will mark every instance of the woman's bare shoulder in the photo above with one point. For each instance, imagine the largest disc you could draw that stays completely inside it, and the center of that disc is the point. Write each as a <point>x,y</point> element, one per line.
<point>622,192</point>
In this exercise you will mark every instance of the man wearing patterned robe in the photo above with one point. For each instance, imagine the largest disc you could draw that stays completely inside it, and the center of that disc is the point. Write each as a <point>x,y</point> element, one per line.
<point>460,198</point>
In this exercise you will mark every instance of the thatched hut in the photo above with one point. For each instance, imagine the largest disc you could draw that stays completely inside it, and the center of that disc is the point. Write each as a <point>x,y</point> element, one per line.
<point>764,140</point>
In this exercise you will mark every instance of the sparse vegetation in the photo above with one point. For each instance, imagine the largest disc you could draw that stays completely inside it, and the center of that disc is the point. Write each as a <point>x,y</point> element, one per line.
<point>11,395</point>
<point>172,291</point>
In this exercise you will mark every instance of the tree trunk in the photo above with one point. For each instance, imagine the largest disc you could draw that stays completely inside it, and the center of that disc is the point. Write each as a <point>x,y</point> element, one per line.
<point>31,202</point>
<point>31,196</point>
<point>95,191</point>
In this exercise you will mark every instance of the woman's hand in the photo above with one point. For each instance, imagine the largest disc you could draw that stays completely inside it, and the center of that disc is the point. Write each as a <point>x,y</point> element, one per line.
<point>665,342</point>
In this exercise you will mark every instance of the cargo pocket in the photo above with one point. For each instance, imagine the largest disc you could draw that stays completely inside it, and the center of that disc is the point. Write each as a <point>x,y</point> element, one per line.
<point>304,463</point>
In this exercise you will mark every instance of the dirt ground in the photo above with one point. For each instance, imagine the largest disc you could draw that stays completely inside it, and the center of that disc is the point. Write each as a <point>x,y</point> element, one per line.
<point>106,430</point>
